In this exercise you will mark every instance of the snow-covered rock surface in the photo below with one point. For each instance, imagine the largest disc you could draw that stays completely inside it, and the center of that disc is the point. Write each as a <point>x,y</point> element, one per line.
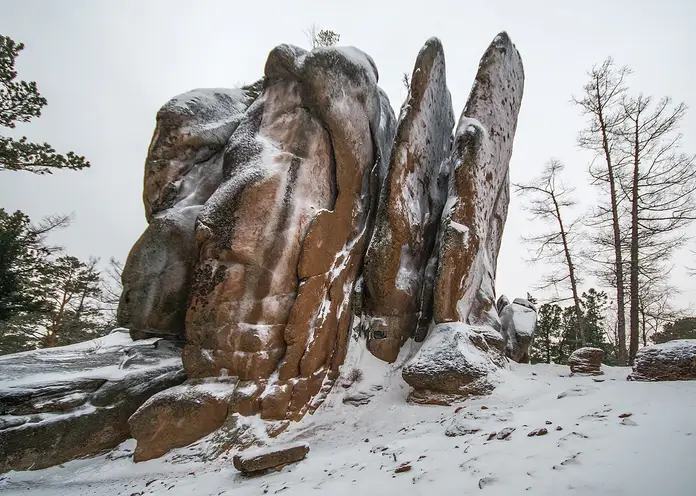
<point>456,359</point>
<point>57,404</point>
<point>670,361</point>
<point>517,325</point>
<point>357,450</point>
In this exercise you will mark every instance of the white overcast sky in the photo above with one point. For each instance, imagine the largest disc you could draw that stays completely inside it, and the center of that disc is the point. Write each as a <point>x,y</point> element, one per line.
<point>106,68</point>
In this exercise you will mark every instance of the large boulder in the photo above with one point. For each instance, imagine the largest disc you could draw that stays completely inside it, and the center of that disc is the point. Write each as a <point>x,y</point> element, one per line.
<point>478,193</point>
<point>70,402</point>
<point>397,292</point>
<point>282,239</point>
<point>182,170</point>
<point>455,360</point>
<point>518,323</point>
<point>670,361</point>
<point>586,361</point>
<point>200,405</point>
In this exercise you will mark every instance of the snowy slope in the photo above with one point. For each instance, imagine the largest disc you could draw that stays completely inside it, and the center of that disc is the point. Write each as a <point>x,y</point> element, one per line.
<point>355,450</point>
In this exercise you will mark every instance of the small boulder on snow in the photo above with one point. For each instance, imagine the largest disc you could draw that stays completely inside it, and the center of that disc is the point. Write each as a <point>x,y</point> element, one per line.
<point>586,361</point>
<point>518,323</point>
<point>670,361</point>
<point>252,461</point>
<point>455,360</point>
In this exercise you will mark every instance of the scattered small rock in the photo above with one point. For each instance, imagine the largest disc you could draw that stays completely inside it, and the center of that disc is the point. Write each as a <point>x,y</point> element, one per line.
<point>505,433</point>
<point>486,481</point>
<point>458,409</point>
<point>484,407</point>
<point>492,435</point>
<point>358,399</point>
<point>404,467</point>
<point>559,428</point>
<point>548,422</point>
<point>538,432</point>
<point>598,380</point>
<point>625,415</point>
<point>367,440</point>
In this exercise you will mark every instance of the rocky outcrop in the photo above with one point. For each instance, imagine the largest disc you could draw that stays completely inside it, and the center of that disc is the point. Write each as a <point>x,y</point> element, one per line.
<point>454,361</point>
<point>58,404</point>
<point>670,361</point>
<point>299,218</point>
<point>518,323</point>
<point>254,461</point>
<point>478,192</point>
<point>586,361</point>
<point>182,170</point>
<point>397,294</point>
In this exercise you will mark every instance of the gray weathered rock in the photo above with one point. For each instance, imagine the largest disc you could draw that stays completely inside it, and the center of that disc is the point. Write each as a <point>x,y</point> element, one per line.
<point>183,168</point>
<point>518,323</point>
<point>58,404</point>
<point>670,361</point>
<point>478,192</point>
<point>456,360</point>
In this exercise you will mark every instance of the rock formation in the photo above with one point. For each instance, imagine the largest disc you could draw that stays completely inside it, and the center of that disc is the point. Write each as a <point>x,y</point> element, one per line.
<point>518,323</point>
<point>586,361</point>
<point>295,214</point>
<point>399,267</point>
<point>58,404</point>
<point>182,170</point>
<point>670,361</point>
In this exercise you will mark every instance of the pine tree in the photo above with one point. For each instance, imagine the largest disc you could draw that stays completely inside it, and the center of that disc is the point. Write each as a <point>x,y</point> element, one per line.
<point>20,101</point>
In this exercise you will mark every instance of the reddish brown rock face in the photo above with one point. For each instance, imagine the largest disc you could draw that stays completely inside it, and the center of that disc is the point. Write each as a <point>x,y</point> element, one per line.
<point>266,211</point>
<point>478,188</point>
<point>396,287</point>
<point>282,239</point>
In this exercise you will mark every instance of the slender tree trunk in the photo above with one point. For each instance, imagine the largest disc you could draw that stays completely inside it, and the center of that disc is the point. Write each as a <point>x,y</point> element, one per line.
<point>634,295</point>
<point>571,274</point>
<point>618,259</point>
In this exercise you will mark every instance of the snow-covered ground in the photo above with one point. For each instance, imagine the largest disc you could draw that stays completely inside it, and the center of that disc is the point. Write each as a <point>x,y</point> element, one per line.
<point>355,450</point>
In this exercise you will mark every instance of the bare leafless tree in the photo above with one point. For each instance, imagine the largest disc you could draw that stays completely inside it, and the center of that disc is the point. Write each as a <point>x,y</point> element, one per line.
<point>548,200</point>
<point>601,104</point>
<point>660,189</point>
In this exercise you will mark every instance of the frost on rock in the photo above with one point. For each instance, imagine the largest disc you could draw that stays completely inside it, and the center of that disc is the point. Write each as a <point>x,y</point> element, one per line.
<point>671,361</point>
<point>62,403</point>
<point>456,359</point>
<point>518,323</point>
<point>410,206</point>
<point>183,168</point>
<point>479,188</point>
